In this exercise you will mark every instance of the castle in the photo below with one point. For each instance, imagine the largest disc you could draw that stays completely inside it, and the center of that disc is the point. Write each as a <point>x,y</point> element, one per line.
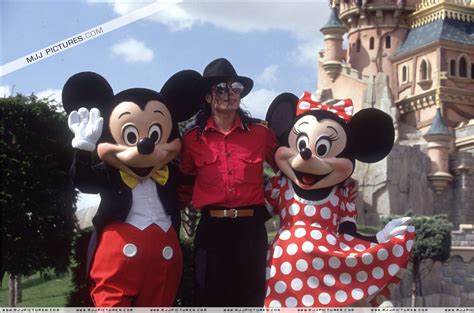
<point>415,61</point>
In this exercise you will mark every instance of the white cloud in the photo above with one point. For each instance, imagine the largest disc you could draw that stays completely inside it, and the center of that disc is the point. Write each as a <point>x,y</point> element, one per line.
<point>258,101</point>
<point>5,91</point>
<point>303,18</point>
<point>133,51</point>
<point>269,75</point>
<point>50,94</point>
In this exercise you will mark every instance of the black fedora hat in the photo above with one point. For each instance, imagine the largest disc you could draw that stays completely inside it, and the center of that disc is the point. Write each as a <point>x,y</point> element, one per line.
<point>221,70</point>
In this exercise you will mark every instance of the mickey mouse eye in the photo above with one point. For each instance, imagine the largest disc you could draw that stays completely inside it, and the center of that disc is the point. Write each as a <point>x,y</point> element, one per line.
<point>323,145</point>
<point>130,135</point>
<point>302,141</point>
<point>154,133</point>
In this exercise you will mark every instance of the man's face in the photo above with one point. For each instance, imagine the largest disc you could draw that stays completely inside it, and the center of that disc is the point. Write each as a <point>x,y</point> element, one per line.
<point>225,96</point>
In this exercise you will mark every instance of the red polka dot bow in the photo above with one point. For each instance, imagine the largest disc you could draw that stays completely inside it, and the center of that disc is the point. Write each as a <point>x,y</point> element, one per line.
<point>342,108</point>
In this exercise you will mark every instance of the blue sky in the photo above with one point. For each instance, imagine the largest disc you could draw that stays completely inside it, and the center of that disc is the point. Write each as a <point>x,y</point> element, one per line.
<point>274,42</point>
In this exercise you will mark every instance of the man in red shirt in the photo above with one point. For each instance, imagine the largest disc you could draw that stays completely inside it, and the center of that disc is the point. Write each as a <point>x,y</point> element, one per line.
<point>222,163</point>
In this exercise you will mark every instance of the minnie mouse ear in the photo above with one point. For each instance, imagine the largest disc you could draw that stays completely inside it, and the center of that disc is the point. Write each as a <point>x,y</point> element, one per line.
<point>86,90</point>
<point>281,113</point>
<point>184,94</point>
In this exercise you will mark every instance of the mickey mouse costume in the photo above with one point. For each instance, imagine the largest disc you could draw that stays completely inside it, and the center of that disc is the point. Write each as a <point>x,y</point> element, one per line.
<point>317,257</point>
<point>134,256</point>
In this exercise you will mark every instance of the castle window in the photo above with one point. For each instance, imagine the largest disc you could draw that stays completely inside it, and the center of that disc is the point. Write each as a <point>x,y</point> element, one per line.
<point>424,70</point>
<point>388,42</point>
<point>452,68</point>
<point>358,45</point>
<point>472,70</point>
<point>371,43</point>
<point>404,73</point>
<point>462,67</point>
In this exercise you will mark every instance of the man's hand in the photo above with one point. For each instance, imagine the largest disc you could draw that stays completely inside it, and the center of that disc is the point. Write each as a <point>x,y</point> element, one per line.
<point>87,128</point>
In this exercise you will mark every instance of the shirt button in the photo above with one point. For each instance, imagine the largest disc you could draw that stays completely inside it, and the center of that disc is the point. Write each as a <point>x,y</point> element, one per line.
<point>227,154</point>
<point>229,172</point>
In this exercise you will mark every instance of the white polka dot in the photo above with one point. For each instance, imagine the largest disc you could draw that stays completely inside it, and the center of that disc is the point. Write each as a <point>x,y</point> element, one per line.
<point>313,282</point>
<point>409,245</point>
<point>300,232</point>
<point>393,269</point>
<point>268,291</point>
<point>285,268</point>
<point>318,263</point>
<point>280,286</point>
<point>382,254</point>
<point>283,213</point>
<point>283,181</point>
<point>397,251</point>
<point>341,296</point>
<point>292,249</point>
<point>373,289</point>
<point>367,258</point>
<point>357,293</point>
<point>411,229</point>
<point>329,280</point>
<point>323,249</point>
<point>301,265</point>
<point>304,105</point>
<point>331,239</point>
<point>349,110</point>
<point>399,237</point>
<point>334,200</point>
<point>296,284</point>
<point>334,262</point>
<point>307,247</point>
<point>289,194</point>
<point>308,300</point>
<point>361,276</point>
<point>351,261</point>
<point>275,304</point>
<point>316,234</point>
<point>344,247</point>
<point>167,253</point>
<point>294,209</point>
<point>314,98</point>
<point>373,244</point>
<point>324,298</point>
<point>377,272</point>
<point>350,206</point>
<point>348,237</point>
<point>291,302</point>
<point>316,225</point>
<point>359,247</point>
<point>285,235</point>
<point>270,272</point>
<point>345,278</point>
<point>277,252</point>
<point>299,223</point>
<point>309,210</point>
<point>325,213</point>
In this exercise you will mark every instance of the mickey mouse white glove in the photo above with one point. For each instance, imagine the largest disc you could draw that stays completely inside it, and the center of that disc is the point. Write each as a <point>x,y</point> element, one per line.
<point>87,128</point>
<point>393,228</point>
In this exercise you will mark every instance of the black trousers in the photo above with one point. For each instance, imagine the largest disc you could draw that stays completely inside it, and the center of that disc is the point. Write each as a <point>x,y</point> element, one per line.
<point>230,259</point>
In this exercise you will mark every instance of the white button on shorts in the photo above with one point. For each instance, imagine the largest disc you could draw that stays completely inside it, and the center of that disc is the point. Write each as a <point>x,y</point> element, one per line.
<point>167,253</point>
<point>130,250</point>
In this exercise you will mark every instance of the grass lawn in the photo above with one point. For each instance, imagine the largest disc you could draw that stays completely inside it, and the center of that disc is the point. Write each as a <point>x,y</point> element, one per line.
<point>38,292</point>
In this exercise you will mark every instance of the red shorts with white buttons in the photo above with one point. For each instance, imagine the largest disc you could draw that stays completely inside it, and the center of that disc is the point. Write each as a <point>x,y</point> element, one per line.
<point>136,268</point>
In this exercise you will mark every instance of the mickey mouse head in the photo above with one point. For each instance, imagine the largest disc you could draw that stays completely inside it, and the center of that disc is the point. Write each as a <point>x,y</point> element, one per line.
<point>141,132</point>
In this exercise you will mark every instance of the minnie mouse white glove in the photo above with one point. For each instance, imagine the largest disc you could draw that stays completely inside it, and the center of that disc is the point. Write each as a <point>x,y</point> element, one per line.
<point>87,128</point>
<point>393,228</point>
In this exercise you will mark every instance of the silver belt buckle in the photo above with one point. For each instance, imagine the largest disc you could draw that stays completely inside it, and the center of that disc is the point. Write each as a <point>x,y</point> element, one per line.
<point>233,213</point>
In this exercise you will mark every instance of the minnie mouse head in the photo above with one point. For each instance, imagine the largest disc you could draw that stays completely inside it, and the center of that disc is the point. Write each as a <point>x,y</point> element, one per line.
<point>141,132</point>
<point>319,142</point>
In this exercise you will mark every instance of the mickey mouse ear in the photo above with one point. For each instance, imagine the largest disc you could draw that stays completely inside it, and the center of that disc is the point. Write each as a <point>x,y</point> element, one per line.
<point>281,113</point>
<point>184,93</point>
<point>88,90</point>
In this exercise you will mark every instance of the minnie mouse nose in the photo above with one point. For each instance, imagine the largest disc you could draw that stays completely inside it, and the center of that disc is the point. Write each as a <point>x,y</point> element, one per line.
<point>306,154</point>
<point>145,146</point>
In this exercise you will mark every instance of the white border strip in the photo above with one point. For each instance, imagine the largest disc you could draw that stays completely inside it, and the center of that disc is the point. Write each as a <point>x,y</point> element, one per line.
<point>84,36</point>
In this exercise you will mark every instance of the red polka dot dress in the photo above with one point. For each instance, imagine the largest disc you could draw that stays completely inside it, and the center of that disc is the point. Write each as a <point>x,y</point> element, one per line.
<point>310,265</point>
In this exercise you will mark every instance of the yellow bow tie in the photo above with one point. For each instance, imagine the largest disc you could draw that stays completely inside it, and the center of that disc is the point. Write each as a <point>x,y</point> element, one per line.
<point>161,177</point>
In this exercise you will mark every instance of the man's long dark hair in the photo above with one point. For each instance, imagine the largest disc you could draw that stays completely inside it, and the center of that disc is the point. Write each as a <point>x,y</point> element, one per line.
<point>205,112</point>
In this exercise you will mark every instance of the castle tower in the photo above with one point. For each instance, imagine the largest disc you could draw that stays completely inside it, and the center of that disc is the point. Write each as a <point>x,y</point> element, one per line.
<point>333,31</point>
<point>376,28</point>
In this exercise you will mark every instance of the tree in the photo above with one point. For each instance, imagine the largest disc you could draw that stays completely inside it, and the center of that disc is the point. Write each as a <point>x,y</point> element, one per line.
<point>432,244</point>
<point>36,196</point>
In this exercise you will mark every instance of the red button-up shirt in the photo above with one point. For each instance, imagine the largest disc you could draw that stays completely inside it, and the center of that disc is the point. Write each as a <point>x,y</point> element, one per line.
<point>228,168</point>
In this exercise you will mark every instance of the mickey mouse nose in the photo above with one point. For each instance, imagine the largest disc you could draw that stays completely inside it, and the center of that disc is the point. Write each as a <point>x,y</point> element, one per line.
<point>305,154</point>
<point>145,146</point>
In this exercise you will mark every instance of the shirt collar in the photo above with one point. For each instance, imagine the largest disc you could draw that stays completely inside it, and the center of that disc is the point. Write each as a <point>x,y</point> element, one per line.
<point>237,124</point>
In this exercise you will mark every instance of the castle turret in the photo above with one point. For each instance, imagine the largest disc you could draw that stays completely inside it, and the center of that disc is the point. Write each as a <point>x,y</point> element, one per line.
<point>439,139</point>
<point>333,31</point>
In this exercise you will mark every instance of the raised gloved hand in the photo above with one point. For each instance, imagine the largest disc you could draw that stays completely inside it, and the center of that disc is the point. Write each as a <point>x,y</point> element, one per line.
<point>87,128</point>
<point>393,228</point>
